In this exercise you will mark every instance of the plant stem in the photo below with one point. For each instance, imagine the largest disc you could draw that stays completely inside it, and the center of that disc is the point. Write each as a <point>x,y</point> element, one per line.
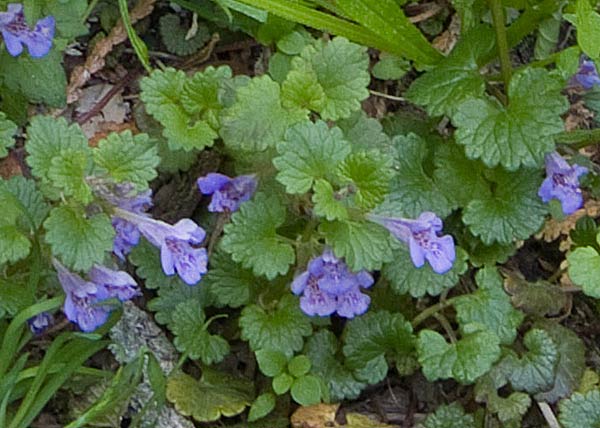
<point>579,138</point>
<point>501,40</point>
<point>446,326</point>
<point>431,311</point>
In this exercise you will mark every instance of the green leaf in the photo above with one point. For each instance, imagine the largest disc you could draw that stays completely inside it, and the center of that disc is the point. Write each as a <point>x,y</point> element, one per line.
<point>282,328</point>
<point>49,138</point>
<point>512,211</point>
<point>489,306</point>
<point>390,67</point>
<point>306,390</point>
<point>128,158</point>
<point>201,93</point>
<point>369,173</point>
<point>413,190</point>
<point>229,283</point>
<point>14,296</point>
<point>293,43</point>
<point>257,120</point>
<point>322,348</point>
<point>171,294</point>
<point>14,246</point>
<point>8,129</point>
<point>262,406</point>
<point>571,361</point>
<point>327,202</point>
<point>464,361</point>
<point>79,240</point>
<point>173,35</point>
<point>538,298</point>
<point>581,410</point>
<point>365,133</point>
<point>68,172</point>
<point>387,20</point>
<point>271,362</point>
<point>251,237</point>
<point>192,337</point>
<point>364,245</point>
<point>534,371</point>
<point>406,278</point>
<point>162,94</point>
<point>588,29</point>
<point>376,335</point>
<point>146,258</point>
<point>282,383</point>
<point>31,206</point>
<point>69,15</point>
<point>449,416</point>
<point>341,69</point>
<point>511,408</point>
<point>547,36</point>
<point>456,78</point>
<point>216,394</point>
<point>40,80</point>
<point>520,134</point>
<point>301,89</point>
<point>299,366</point>
<point>584,268</point>
<point>309,151</point>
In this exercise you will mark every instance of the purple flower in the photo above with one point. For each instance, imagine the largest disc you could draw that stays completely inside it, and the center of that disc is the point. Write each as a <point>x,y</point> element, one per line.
<point>562,183</point>
<point>422,238</point>
<point>228,193</point>
<point>587,75</point>
<point>178,244</point>
<point>83,301</point>
<point>17,33</point>
<point>127,234</point>
<point>328,286</point>
<point>39,323</point>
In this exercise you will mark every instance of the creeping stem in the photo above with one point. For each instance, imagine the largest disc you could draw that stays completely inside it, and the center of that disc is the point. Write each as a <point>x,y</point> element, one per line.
<point>501,40</point>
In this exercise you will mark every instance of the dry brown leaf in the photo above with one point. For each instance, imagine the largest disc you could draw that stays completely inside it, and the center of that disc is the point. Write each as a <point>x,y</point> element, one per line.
<point>10,166</point>
<point>356,420</point>
<point>95,60</point>
<point>445,42</point>
<point>579,117</point>
<point>317,416</point>
<point>553,228</point>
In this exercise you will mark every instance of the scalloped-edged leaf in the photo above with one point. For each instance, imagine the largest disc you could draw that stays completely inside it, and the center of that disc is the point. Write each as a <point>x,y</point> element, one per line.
<point>173,35</point>
<point>192,336</point>
<point>8,129</point>
<point>584,268</point>
<point>341,70</point>
<point>489,306</point>
<point>309,151</point>
<point>282,328</point>
<point>581,410</point>
<point>128,158</point>
<point>216,394</point>
<point>79,240</point>
<point>14,246</point>
<point>364,245</point>
<point>252,240</point>
<point>404,277</point>
<point>29,204</point>
<point>465,361</point>
<point>327,202</point>
<point>449,416</point>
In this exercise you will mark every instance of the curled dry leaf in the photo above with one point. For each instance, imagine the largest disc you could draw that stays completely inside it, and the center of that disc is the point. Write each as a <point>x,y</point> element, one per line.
<point>96,59</point>
<point>317,416</point>
<point>553,228</point>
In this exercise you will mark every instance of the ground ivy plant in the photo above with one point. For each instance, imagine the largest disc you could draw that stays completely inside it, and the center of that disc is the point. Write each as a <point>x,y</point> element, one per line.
<point>333,247</point>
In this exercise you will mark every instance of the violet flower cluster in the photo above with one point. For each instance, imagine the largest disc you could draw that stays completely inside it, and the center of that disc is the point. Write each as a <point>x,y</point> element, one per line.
<point>587,75</point>
<point>85,301</point>
<point>562,183</point>
<point>40,323</point>
<point>17,33</point>
<point>328,286</point>
<point>422,238</point>
<point>227,193</point>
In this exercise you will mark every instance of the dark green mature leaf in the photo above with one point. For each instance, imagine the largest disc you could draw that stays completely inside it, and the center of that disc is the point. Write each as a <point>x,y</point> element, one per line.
<point>584,268</point>
<point>30,199</point>
<point>449,416</point>
<point>70,17</point>
<point>489,306</point>
<point>14,246</point>
<point>413,190</point>
<point>581,410</point>
<point>390,67</point>
<point>172,293</point>
<point>257,120</point>
<point>571,361</point>
<point>520,134</point>
<point>306,390</point>
<point>252,240</point>
<point>322,348</point>
<point>79,240</point>
<point>192,337</point>
<point>508,409</point>
<point>309,151</point>
<point>262,406</point>
<point>406,278</point>
<point>364,245</point>
<point>464,361</point>
<point>513,211</point>
<point>216,394</point>
<point>456,78</point>
<point>588,29</point>
<point>271,361</point>
<point>128,158</point>
<point>341,70</point>
<point>8,129</point>
<point>538,298</point>
<point>534,371</point>
<point>377,335</point>
<point>229,283</point>
<point>173,35</point>
<point>365,133</point>
<point>282,328</point>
